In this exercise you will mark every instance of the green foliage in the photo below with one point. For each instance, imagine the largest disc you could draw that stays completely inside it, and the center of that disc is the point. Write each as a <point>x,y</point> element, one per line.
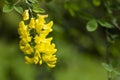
<point>116,72</point>
<point>33,4</point>
<point>104,23</point>
<point>18,9</point>
<point>8,8</point>
<point>92,25</point>
<point>35,7</point>
<point>107,67</point>
<point>110,69</point>
<point>38,10</point>
<point>96,2</point>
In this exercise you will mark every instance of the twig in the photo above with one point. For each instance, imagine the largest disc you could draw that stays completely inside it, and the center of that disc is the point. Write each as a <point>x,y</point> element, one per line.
<point>108,55</point>
<point>17,2</point>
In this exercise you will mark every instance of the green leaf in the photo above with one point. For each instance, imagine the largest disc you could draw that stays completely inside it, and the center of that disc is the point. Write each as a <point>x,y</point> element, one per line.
<point>35,5</point>
<point>107,67</point>
<point>92,25</point>
<point>38,10</point>
<point>97,2</point>
<point>7,8</point>
<point>18,9</point>
<point>105,24</point>
<point>116,72</point>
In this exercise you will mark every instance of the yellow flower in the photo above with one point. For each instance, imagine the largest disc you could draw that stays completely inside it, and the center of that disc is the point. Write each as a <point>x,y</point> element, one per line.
<point>38,39</point>
<point>22,28</point>
<point>25,47</point>
<point>37,57</point>
<point>41,18</point>
<point>29,60</point>
<point>23,32</point>
<point>32,23</point>
<point>50,60</point>
<point>48,26</point>
<point>34,41</point>
<point>26,15</point>
<point>39,26</point>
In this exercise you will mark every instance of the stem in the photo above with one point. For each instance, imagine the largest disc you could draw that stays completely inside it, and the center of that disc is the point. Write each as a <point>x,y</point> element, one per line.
<point>26,1</point>
<point>108,56</point>
<point>108,60</point>
<point>17,2</point>
<point>29,7</point>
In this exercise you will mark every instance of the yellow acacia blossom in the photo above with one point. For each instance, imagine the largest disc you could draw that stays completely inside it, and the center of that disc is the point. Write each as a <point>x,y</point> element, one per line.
<point>26,15</point>
<point>34,42</point>
<point>32,23</point>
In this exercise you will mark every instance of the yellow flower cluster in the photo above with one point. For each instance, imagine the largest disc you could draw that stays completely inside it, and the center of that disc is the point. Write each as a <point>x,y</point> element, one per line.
<point>34,42</point>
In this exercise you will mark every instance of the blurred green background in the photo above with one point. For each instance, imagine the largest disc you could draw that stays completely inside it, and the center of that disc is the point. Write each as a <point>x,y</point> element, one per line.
<point>80,53</point>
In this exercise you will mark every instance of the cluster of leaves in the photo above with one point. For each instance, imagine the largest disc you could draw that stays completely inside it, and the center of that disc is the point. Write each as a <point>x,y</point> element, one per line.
<point>108,20</point>
<point>93,23</point>
<point>97,14</point>
<point>11,5</point>
<point>14,5</point>
<point>110,69</point>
